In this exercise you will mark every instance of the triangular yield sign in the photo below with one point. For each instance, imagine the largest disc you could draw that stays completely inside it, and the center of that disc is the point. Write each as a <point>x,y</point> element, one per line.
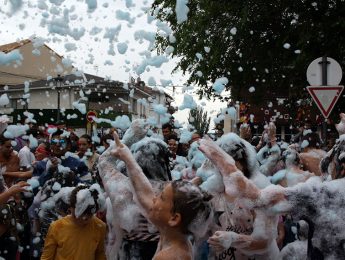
<point>325,97</point>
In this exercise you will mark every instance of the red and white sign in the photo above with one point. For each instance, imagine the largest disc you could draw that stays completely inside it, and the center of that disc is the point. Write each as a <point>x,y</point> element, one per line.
<point>325,97</point>
<point>90,116</point>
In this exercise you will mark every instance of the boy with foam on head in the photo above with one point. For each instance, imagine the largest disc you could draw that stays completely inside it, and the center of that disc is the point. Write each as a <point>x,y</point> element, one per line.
<point>80,235</point>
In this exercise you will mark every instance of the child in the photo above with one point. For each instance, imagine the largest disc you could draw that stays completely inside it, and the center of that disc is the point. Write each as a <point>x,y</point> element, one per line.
<point>79,235</point>
<point>178,212</point>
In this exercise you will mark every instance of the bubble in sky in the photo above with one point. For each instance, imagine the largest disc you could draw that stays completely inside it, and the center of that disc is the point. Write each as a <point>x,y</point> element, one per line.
<point>181,10</point>
<point>286,45</point>
<point>122,47</point>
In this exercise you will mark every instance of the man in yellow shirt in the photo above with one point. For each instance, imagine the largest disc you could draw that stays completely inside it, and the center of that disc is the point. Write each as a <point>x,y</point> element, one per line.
<point>79,235</point>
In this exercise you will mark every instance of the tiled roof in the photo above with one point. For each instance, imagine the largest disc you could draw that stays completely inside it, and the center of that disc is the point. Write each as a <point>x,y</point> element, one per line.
<point>12,46</point>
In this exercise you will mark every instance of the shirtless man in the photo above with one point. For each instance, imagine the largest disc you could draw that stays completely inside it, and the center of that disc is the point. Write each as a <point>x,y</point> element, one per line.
<point>173,212</point>
<point>10,160</point>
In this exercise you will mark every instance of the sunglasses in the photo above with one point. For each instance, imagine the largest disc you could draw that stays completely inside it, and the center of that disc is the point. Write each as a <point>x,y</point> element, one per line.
<point>57,141</point>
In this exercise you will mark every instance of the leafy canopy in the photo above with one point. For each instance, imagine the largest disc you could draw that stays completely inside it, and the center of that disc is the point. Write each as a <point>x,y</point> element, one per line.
<point>260,43</point>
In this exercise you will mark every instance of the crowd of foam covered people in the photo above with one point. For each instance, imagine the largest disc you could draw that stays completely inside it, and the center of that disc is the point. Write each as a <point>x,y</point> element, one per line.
<point>162,194</point>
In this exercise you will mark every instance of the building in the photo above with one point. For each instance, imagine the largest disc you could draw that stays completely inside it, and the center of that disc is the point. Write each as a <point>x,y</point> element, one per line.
<point>57,93</point>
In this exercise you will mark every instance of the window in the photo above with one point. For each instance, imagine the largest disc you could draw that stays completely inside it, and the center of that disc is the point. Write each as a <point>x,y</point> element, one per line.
<point>135,106</point>
<point>17,103</point>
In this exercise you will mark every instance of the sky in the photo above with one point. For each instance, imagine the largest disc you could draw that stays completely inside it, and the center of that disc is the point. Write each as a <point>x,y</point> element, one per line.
<point>106,32</point>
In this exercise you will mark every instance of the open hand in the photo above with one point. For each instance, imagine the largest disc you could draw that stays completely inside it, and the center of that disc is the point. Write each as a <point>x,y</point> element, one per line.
<point>18,187</point>
<point>222,240</point>
<point>207,146</point>
<point>120,150</point>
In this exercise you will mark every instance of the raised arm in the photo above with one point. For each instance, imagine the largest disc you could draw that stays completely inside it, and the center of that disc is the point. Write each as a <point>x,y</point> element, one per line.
<point>14,189</point>
<point>142,186</point>
<point>223,161</point>
<point>236,184</point>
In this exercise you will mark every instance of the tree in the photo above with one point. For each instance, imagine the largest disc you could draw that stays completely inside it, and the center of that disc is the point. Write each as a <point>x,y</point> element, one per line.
<point>265,44</point>
<point>199,120</point>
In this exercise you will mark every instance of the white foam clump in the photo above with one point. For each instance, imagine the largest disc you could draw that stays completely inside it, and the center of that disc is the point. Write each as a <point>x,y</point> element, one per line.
<point>232,112</point>
<point>141,35</point>
<point>176,175</point>
<point>160,109</point>
<point>165,82</point>
<point>151,81</point>
<point>16,5</point>
<point>233,30</point>
<point>169,50</point>
<point>199,56</point>
<point>33,142</point>
<point>124,16</point>
<point>64,194</point>
<point>33,182</point>
<point>12,56</point>
<point>307,131</point>
<point>56,186</point>
<point>63,169</point>
<point>185,136</point>
<point>36,240</point>
<point>84,200</point>
<point>199,73</point>
<point>287,45</point>
<point>136,132</point>
<point>112,33</point>
<point>181,10</point>
<point>188,102</point>
<point>122,47</point>
<point>80,106</point>
<point>67,62</point>
<point>304,144</point>
<point>122,122</point>
<point>4,100</point>
<point>296,250</point>
<point>13,131</point>
<point>155,61</point>
<point>70,46</point>
<point>322,203</point>
<point>195,156</point>
<point>91,5</point>
<point>219,84</point>
<point>251,89</point>
<point>212,179</point>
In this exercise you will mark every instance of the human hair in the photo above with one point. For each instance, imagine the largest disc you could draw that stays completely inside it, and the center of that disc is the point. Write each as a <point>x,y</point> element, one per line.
<point>167,125</point>
<point>4,139</point>
<point>173,136</point>
<point>242,152</point>
<point>192,204</point>
<point>106,137</point>
<point>57,132</point>
<point>201,134</point>
<point>91,208</point>
<point>152,155</point>
<point>87,137</point>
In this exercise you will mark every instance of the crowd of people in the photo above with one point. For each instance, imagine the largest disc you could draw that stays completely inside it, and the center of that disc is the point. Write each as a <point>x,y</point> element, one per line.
<point>170,195</point>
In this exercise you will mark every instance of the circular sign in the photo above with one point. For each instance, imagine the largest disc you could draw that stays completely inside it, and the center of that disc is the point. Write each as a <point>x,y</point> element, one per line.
<point>90,116</point>
<point>314,72</point>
